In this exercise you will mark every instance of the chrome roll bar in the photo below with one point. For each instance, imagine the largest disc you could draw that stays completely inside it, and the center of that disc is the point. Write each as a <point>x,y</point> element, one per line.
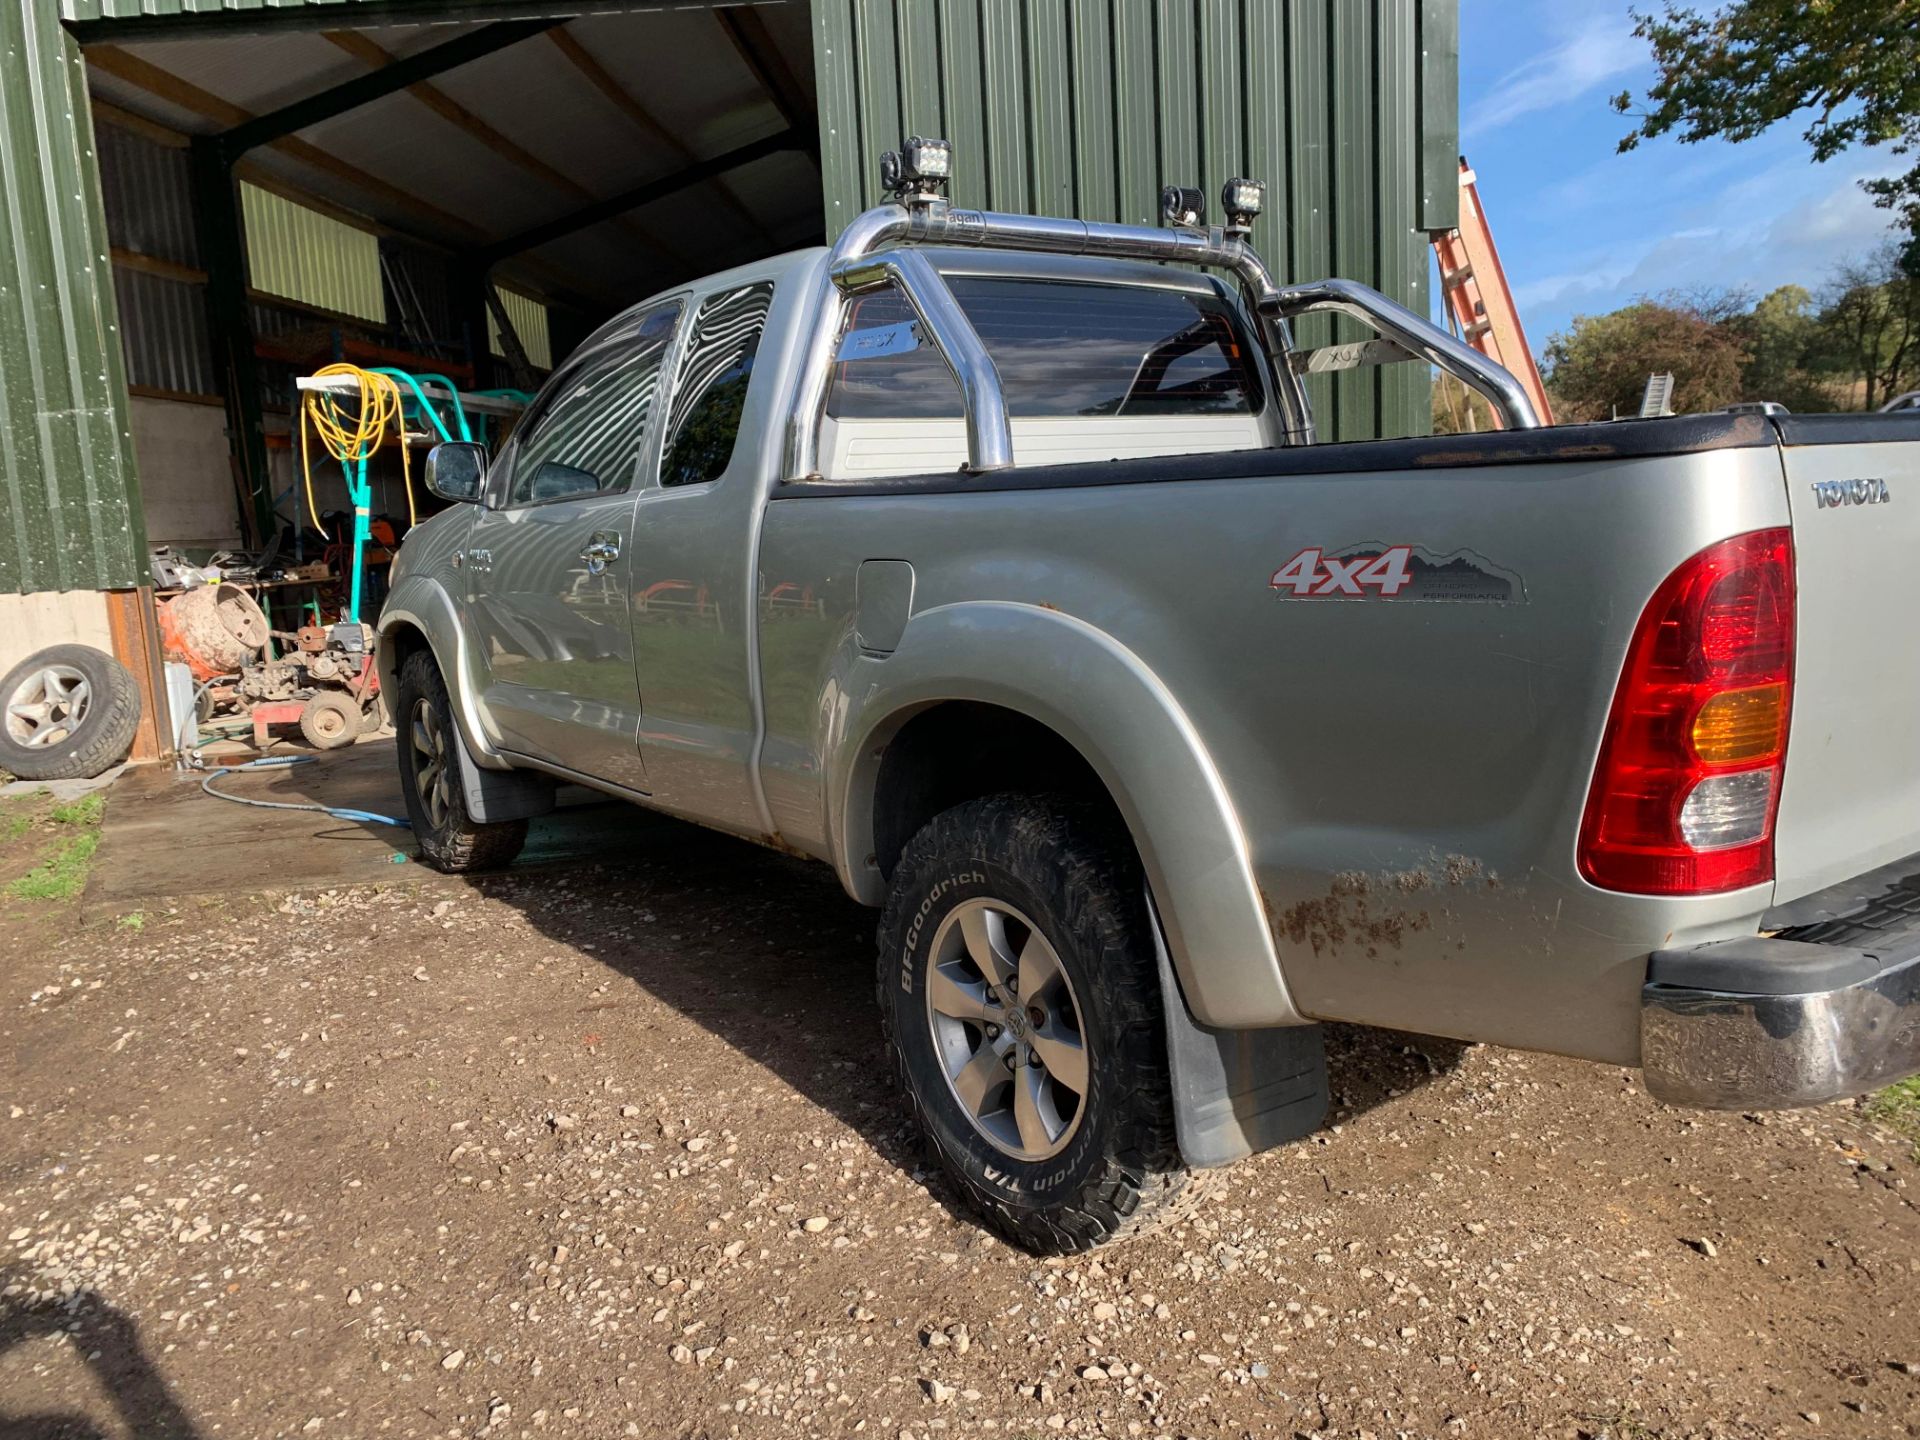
<point>989,436</point>
<point>896,228</point>
<point>1420,338</point>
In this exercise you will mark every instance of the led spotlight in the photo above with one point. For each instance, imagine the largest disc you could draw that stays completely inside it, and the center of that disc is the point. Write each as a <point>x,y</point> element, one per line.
<point>927,159</point>
<point>1242,200</point>
<point>918,172</point>
<point>1182,205</point>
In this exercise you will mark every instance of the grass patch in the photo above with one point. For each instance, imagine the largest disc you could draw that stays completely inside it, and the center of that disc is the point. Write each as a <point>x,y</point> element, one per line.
<point>135,921</point>
<point>62,871</point>
<point>62,874</point>
<point>13,826</point>
<point>84,811</point>
<point>1898,1108</point>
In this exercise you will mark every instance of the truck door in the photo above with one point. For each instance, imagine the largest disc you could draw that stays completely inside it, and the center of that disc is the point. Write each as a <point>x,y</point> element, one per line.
<point>693,591</point>
<point>547,562</point>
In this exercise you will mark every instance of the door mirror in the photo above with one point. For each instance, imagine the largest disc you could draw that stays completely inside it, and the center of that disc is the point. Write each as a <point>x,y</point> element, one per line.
<point>456,470</point>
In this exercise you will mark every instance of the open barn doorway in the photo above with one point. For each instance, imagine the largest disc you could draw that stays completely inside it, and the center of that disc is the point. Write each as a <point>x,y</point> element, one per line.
<point>466,199</point>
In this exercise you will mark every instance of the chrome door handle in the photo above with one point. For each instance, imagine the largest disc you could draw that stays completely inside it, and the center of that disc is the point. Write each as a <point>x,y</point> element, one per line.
<point>601,551</point>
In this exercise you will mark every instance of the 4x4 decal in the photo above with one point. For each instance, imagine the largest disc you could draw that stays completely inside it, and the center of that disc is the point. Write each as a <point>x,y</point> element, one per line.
<point>1311,573</point>
<point>1408,573</point>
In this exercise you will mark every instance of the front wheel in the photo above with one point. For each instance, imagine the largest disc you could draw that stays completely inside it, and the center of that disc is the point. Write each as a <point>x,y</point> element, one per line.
<point>429,746</point>
<point>1021,1001</point>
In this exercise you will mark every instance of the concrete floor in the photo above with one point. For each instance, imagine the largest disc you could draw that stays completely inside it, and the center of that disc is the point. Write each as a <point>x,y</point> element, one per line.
<point>163,835</point>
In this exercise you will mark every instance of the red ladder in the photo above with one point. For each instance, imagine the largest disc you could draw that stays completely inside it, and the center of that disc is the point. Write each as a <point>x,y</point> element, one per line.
<point>1478,297</point>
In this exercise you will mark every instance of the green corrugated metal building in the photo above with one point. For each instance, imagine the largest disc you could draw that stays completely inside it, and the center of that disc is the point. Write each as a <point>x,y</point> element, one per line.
<point>1081,107</point>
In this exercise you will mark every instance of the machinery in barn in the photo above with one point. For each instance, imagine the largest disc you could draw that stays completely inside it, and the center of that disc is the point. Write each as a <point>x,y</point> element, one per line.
<point>320,678</point>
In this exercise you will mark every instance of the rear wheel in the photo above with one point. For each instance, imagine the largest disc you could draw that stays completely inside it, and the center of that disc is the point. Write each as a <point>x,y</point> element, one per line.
<point>428,745</point>
<point>1021,1000</point>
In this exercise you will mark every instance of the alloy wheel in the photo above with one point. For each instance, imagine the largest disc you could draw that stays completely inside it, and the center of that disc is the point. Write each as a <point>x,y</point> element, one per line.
<point>48,706</point>
<point>433,778</point>
<point>1007,1029</point>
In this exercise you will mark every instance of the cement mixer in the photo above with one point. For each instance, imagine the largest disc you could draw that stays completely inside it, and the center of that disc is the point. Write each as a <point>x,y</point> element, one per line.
<point>216,629</point>
<point>323,678</point>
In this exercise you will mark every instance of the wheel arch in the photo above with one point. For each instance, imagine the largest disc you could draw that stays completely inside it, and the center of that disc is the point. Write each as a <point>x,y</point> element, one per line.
<point>974,683</point>
<point>421,616</point>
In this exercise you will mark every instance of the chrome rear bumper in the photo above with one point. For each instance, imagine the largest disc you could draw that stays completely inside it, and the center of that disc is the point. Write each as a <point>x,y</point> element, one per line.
<point>1771,1023</point>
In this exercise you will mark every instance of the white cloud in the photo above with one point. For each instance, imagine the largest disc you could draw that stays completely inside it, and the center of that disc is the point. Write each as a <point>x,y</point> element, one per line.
<point>1791,224</point>
<point>1601,50</point>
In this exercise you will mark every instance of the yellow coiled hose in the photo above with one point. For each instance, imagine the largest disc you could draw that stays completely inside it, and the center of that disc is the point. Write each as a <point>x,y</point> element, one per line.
<point>351,427</point>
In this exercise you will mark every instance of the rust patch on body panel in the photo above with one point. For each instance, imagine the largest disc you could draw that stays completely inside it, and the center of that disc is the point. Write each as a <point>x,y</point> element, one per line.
<point>1589,451</point>
<point>1547,443</point>
<point>1370,912</point>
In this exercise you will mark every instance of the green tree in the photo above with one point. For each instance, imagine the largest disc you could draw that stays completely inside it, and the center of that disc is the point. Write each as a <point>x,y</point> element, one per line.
<point>1599,368</point>
<point>1869,327</point>
<point>1852,65</point>
<point>1783,341</point>
<point>1456,410</point>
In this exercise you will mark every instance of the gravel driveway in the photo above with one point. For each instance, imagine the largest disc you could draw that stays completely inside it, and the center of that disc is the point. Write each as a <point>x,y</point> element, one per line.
<point>611,1150</point>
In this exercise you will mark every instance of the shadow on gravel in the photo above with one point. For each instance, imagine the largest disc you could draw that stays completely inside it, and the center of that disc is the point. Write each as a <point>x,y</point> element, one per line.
<point>766,952</point>
<point>108,1342</point>
<point>1366,1068</point>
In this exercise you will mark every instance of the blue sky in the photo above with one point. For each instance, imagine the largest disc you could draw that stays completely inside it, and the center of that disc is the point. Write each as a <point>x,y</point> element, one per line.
<point>1583,230</point>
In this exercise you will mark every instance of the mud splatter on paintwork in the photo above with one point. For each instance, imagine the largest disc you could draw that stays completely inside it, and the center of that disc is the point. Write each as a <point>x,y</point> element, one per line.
<point>1366,911</point>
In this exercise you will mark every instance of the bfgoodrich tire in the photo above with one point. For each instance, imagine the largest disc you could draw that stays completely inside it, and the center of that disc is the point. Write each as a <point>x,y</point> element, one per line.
<point>429,749</point>
<point>1021,1002</point>
<point>68,712</point>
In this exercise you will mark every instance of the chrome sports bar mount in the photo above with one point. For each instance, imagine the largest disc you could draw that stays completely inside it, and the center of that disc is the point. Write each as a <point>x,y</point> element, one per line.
<point>876,250</point>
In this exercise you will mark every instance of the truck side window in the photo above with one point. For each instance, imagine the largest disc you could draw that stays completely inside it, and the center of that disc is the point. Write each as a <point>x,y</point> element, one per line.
<point>582,436</point>
<point>1063,348</point>
<point>710,392</point>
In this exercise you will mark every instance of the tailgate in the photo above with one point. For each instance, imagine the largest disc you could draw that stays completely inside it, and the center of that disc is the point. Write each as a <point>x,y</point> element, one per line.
<point>1851,796</point>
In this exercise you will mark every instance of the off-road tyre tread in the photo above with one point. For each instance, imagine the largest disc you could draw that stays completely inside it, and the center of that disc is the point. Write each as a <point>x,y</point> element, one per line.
<point>468,845</point>
<point>1087,864</point>
<point>107,733</point>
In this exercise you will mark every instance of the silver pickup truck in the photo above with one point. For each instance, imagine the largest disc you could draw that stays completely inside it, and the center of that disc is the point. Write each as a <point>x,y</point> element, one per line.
<point>990,560</point>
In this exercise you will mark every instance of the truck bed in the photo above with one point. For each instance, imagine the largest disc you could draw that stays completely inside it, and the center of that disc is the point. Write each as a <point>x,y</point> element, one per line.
<point>1409,771</point>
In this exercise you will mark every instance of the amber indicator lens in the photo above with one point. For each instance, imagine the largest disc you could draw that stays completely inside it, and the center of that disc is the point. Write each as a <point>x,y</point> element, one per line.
<point>1738,725</point>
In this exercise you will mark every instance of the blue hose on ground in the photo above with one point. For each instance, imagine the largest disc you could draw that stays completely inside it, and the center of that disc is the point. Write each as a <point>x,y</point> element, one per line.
<point>338,812</point>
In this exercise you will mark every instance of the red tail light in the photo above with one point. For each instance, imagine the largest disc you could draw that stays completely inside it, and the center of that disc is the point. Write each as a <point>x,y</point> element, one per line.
<point>1688,784</point>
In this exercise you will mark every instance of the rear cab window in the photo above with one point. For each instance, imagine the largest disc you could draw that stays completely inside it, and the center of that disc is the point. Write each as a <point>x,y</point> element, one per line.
<point>710,389</point>
<point>1062,348</point>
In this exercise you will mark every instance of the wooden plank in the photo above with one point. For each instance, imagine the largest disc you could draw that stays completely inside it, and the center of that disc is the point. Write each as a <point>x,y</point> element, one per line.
<point>107,113</point>
<point>154,265</point>
<point>136,644</point>
<point>182,397</point>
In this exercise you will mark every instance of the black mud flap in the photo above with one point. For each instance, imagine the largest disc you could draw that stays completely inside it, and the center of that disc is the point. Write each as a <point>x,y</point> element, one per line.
<point>1238,1092</point>
<point>496,795</point>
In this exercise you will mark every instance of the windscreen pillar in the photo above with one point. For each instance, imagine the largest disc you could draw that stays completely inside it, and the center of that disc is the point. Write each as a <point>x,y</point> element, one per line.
<point>223,252</point>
